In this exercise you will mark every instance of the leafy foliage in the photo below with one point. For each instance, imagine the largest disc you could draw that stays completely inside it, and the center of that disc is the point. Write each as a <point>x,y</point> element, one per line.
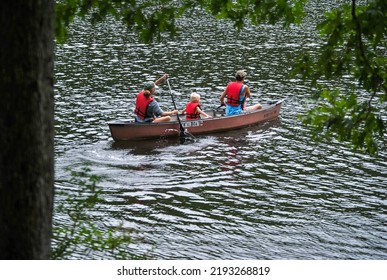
<point>78,231</point>
<point>148,18</point>
<point>341,116</point>
<point>355,46</point>
<point>256,11</point>
<point>151,18</point>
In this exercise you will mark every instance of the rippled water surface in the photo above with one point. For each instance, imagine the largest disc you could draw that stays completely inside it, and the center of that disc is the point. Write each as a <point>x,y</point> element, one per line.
<point>263,192</point>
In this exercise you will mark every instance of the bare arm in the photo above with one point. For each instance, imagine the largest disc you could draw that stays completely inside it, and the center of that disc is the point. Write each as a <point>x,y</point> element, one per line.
<point>198,110</point>
<point>168,113</point>
<point>222,96</point>
<point>162,79</point>
<point>247,91</point>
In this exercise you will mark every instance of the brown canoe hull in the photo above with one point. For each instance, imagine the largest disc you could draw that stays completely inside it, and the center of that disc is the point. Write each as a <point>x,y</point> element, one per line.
<point>130,130</point>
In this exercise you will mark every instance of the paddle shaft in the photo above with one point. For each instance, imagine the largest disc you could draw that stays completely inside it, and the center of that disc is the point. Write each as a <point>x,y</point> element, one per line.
<point>182,130</point>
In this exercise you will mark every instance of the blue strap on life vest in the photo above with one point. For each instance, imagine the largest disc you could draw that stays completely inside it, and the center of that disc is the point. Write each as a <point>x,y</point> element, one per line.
<point>244,97</point>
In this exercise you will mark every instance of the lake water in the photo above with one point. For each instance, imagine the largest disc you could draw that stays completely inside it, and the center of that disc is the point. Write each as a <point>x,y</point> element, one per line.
<point>262,192</point>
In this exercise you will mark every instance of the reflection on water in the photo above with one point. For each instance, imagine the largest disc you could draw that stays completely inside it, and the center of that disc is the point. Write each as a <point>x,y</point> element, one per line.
<point>266,192</point>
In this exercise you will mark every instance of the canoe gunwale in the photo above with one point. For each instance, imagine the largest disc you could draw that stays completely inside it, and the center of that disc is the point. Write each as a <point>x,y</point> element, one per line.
<point>125,129</point>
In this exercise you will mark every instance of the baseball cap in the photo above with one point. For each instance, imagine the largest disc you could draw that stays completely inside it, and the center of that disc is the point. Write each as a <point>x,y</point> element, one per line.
<point>149,85</point>
<point>241,73</point>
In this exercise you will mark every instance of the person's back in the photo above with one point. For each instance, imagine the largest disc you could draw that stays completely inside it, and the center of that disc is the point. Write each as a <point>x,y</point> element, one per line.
<point>236,93</point>
<point>147,109</point>
<point>143,100</point>
<point>193,109</point>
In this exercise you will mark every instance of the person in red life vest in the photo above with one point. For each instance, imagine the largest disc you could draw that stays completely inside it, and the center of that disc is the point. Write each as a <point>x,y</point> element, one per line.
<point>193,110</point>
<point>236,93</point>
<point>147,109</point>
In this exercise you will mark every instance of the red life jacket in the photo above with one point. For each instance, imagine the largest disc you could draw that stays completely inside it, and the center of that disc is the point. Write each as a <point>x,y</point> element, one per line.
<point>190,111</point>
<point>233,93</point>
<point>142,103</point>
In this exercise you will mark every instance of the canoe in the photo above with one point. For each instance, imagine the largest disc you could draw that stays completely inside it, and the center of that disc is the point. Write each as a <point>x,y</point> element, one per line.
<point>122,130</point>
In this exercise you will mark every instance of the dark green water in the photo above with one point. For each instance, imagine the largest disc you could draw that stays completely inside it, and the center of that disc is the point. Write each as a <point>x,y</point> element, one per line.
<point>263,192</point>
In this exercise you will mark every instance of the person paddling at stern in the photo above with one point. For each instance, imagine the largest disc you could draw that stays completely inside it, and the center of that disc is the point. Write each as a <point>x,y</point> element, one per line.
<point>193,110</point>
<point>236,93</point>
<point>147,109</point>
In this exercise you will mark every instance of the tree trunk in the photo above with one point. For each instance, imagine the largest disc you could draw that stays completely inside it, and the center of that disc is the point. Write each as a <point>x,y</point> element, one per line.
<point>26,128</point>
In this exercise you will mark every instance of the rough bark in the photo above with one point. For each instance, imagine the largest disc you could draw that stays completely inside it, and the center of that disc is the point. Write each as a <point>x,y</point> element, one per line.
<point>26,128</point>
